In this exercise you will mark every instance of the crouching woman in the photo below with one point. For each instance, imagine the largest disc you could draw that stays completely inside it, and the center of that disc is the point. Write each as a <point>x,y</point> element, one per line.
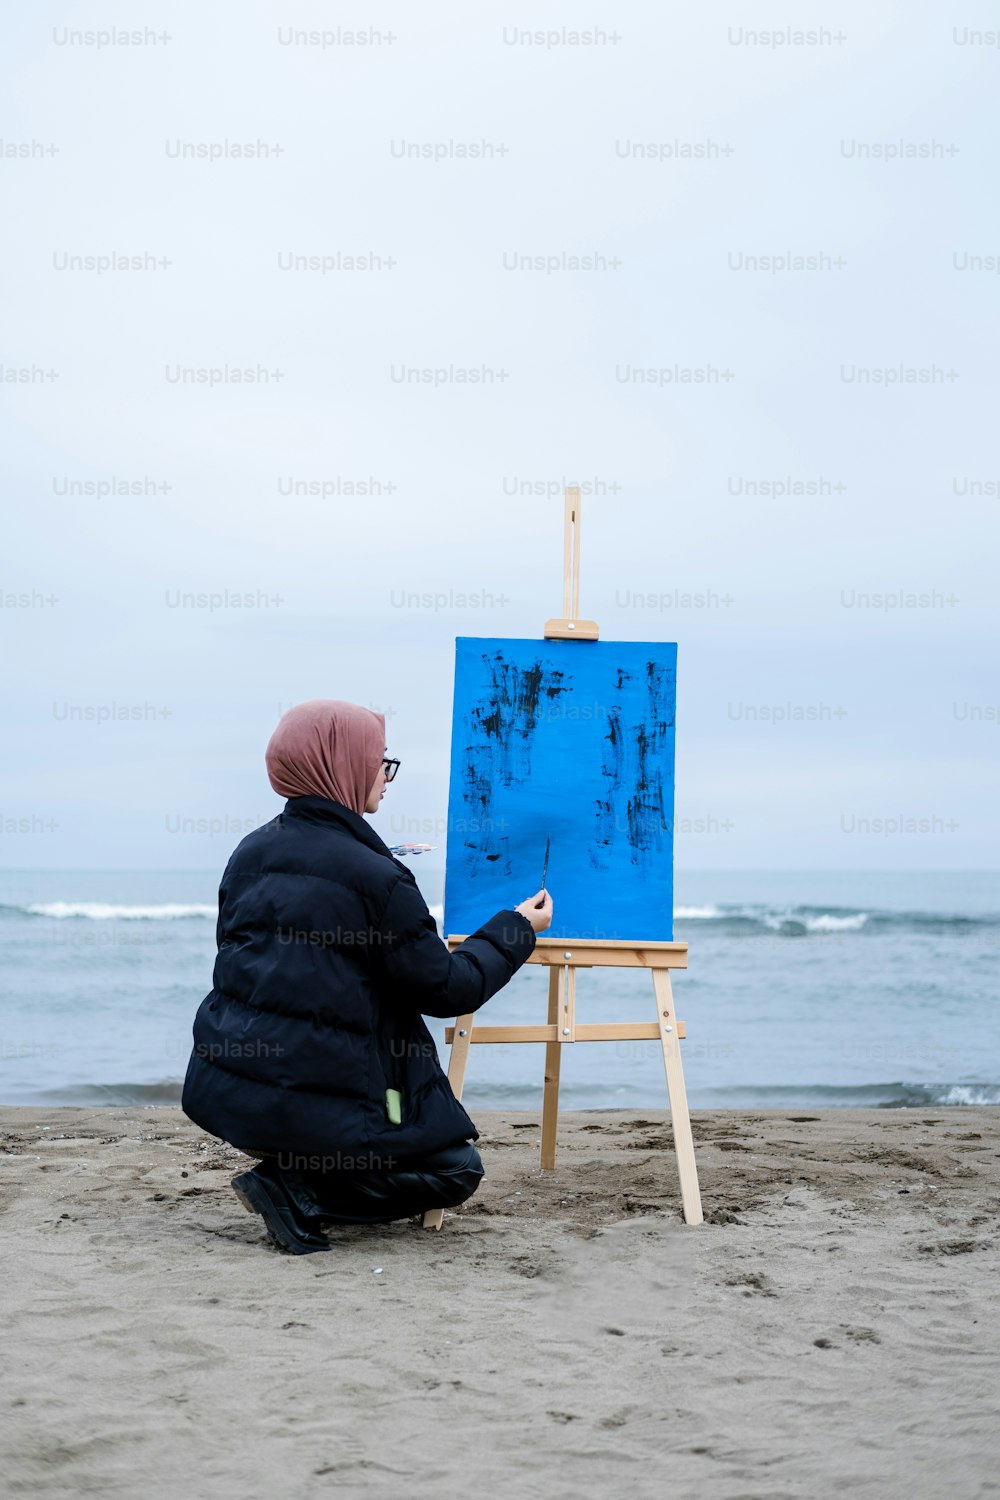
<point>310,1051</point>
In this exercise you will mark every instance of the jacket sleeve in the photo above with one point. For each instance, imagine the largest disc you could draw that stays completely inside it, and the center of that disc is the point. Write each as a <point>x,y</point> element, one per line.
<point>417,968</point>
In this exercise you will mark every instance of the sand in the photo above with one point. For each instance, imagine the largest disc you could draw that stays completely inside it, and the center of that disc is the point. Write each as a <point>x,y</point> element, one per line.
<point>833,1327</point>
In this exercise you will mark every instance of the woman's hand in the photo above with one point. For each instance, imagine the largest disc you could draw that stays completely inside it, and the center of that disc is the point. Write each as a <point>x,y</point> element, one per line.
<point>540,916</point>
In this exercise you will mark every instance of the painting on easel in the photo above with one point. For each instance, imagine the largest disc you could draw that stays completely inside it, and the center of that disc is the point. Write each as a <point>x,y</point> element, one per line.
<point>570,741</point>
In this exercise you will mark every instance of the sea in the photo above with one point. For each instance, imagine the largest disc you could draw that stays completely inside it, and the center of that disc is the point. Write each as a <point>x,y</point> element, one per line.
<point>804,990</point>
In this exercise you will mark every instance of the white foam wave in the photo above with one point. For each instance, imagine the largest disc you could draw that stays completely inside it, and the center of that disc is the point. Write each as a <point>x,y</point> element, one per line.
<point>824,923</point>
<point>103,911</point>
<point>970,1093</point>
<point>836,924</point>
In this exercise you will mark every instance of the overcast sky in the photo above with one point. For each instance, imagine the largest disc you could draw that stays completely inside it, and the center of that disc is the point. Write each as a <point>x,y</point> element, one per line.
<point>837,645</point>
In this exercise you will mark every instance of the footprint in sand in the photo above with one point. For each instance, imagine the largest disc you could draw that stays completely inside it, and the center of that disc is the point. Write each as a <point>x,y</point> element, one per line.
<point>752,1281</point>
<point>856,1335</point>
<point>952,1247</point>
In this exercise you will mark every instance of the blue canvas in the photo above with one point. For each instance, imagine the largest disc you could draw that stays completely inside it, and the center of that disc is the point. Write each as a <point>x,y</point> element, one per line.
<point>571,741</point>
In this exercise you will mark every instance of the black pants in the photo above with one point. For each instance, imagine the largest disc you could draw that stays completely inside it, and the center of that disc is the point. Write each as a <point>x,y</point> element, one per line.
<point>442,1180</point>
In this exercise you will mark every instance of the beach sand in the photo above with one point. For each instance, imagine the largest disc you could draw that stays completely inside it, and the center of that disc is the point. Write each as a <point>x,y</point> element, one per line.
<point>833,1327</point>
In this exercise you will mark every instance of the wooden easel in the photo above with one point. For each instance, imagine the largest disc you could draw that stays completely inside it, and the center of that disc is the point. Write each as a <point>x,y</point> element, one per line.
<point>563,956</point>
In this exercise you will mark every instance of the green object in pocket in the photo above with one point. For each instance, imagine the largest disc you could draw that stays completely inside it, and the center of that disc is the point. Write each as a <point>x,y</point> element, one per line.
<point>393,1103</point>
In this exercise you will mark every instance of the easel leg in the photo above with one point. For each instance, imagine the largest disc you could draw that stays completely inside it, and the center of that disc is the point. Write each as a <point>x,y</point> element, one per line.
<point>687,1167</point>
<point>553,1056</point>
<point>434,1217</point>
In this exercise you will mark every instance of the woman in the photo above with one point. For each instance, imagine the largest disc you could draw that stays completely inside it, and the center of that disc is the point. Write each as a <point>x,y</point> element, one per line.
<point>310,1051</point>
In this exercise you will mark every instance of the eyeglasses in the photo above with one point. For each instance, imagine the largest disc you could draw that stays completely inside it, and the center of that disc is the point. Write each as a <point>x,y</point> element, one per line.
<point>391,766</point>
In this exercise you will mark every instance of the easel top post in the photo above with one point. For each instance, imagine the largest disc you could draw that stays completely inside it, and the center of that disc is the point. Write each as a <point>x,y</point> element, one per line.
<point>569,627</point>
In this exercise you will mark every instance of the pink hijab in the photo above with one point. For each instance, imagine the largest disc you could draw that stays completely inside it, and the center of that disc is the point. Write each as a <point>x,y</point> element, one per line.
<point>327,748</point>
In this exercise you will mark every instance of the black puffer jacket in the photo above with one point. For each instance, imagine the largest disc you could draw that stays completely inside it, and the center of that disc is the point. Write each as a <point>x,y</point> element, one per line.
<point>327,959</point>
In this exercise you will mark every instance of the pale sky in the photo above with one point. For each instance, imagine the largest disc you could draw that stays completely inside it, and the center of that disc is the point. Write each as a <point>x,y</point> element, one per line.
<point>837,646</point>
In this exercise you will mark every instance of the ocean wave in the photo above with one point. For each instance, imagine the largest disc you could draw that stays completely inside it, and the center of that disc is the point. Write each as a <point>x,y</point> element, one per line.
<point>739,921</point>
<point>497,1095</point>
<point>897,1095</point>
<point>113,1095</point>
<point>806,921</point>
<point>797,918</point>
<point>104,911</point>
<point>967,1093</point>
<point>829,923</point>
<point>794,926</point>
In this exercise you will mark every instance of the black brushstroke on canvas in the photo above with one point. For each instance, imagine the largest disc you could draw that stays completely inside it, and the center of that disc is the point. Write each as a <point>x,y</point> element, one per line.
<point>613,770</point>
<point>632,768</point>
<point>646,810</point>
<point>502,727</point>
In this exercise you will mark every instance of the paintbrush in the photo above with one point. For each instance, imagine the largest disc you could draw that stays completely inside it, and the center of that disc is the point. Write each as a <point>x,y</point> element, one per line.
<point>545,871</point>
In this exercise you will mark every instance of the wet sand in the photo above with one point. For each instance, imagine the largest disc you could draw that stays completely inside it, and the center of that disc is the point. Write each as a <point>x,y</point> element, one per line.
<point>833,1327</point>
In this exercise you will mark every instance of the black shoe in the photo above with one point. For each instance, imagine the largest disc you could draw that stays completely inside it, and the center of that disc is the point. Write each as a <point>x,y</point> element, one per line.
<point>263,1193</point>
<point>307,1206</point>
